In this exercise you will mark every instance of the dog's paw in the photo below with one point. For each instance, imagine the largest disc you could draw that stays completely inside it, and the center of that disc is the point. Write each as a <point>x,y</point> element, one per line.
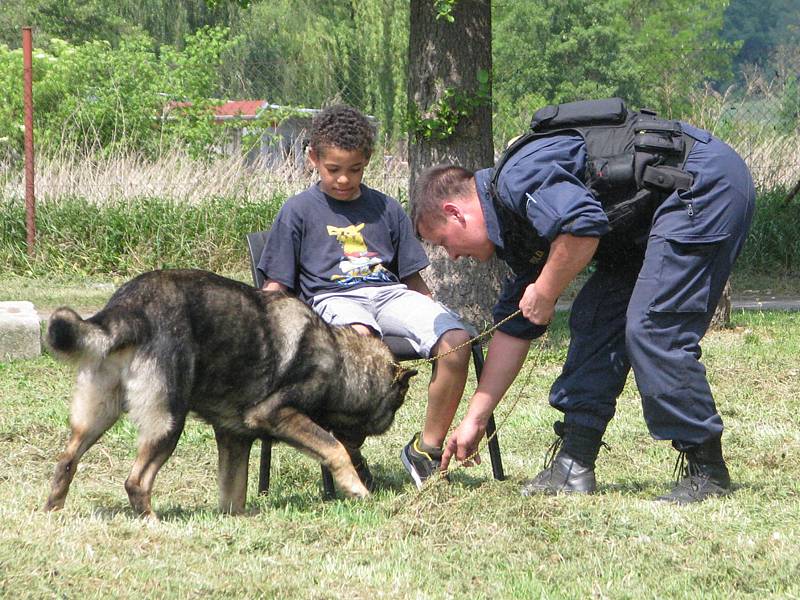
<point>357,491</point>
<point>53,505</point>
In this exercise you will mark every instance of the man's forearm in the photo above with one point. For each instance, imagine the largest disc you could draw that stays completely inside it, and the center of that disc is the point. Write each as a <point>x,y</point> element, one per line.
<point>569,254</point>
<point>503,361</point>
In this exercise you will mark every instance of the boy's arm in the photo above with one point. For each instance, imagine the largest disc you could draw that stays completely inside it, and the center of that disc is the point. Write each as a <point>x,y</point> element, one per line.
<point>270,285</point>
<point>416,283</point>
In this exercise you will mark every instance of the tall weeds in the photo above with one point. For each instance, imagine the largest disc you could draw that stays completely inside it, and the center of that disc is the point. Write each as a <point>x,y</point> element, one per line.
<point>76,236</point>
<point>123,214</point>
<point>174,175</point>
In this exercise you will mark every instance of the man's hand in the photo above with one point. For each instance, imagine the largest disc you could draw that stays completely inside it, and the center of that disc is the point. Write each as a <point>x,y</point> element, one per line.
<point>536,307</point>
<point>569,254</point>
<point>463,443</point>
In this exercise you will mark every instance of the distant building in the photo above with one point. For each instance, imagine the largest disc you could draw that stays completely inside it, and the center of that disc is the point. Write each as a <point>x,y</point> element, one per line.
<point>282,139</point>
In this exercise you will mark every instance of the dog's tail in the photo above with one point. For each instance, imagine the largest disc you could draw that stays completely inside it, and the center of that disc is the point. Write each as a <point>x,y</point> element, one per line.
<point>72,337</point>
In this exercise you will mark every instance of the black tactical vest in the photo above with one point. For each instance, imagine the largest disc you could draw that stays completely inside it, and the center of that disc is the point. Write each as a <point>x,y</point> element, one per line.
<point>634,161</point>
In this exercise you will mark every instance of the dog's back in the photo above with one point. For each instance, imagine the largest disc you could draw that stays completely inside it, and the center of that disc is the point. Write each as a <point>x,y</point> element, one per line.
<point>217,346</point>
<point>210,344</point>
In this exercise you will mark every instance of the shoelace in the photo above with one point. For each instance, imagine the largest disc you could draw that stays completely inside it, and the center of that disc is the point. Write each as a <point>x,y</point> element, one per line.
<point>686,469</point>
<point>550,454</point>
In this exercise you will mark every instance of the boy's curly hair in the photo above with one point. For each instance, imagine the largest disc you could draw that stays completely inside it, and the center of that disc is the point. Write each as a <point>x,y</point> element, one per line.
<point>343,127</point>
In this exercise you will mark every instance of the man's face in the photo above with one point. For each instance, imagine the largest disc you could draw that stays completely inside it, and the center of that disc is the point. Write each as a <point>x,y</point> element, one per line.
<point>462,233</point>
<point>340,171</point>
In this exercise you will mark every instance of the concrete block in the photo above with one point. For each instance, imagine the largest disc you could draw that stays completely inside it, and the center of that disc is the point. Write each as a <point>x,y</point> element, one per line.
<point>20,335</point>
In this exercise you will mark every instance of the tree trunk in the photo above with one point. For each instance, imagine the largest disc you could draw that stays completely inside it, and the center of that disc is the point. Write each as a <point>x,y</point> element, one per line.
<point>443,56</point>
<point>722,315</point>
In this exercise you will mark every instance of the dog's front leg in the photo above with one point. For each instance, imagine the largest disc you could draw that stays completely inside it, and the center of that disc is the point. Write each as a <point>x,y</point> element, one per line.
<point>352,444</point>
<point>151,456</point>
<point>234,454</point>
<point>293,427</point>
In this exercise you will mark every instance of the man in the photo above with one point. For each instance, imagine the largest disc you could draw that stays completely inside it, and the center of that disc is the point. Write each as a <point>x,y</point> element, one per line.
<point>563,196</point>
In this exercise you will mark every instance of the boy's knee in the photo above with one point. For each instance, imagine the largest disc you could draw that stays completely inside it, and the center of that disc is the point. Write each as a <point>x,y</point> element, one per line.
<point>362,329</point>
<point>454,338</point>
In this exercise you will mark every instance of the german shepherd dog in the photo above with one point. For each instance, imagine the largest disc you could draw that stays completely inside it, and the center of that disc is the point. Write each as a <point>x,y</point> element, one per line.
<point>248,362</point>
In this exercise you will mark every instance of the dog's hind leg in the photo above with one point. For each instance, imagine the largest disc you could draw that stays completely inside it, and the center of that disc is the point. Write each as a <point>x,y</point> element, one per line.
<point>234,454</point>
<point>153,395</point>
<point>293,427</point>
<point>95,408</point>
<point>151,456</point>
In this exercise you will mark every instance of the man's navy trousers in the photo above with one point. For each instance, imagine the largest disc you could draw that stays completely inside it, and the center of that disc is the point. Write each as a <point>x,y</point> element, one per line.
<point>652,321</point>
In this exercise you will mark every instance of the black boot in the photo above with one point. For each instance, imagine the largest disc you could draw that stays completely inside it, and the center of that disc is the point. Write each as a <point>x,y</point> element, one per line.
<point>701,472</point>
<point>569,463</point>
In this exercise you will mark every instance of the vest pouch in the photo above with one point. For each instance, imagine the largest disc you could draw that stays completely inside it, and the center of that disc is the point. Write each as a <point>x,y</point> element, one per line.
<point>659,142</point>
<point>610,111</point>
<point>610,172</point>
<point>666,178</point>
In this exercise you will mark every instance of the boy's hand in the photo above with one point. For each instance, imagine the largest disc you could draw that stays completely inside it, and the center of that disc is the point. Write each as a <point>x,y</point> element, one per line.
<point>416,283</point>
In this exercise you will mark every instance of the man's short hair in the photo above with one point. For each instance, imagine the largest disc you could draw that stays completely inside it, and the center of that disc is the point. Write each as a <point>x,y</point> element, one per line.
<point>344,127</point>
<point>433,187</point>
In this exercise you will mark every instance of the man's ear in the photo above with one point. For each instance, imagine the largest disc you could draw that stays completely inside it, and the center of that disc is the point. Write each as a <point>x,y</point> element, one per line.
<point>453,211</point>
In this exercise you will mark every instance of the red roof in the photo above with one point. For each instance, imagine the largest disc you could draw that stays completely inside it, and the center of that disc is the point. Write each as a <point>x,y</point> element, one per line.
<point>231,109</point>
<point>240,108</point>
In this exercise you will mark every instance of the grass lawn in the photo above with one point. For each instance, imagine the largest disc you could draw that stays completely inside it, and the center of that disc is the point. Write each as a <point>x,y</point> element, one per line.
<point>473,537</point>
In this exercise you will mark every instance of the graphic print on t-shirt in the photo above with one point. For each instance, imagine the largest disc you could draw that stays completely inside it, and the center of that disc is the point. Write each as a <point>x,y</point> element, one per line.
<point>358,264</point>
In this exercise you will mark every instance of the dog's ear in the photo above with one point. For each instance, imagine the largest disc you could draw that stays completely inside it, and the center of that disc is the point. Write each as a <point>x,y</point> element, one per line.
<point>405,375</point>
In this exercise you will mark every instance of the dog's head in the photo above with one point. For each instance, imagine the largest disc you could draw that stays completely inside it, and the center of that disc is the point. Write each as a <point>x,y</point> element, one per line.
<point>400,384</point>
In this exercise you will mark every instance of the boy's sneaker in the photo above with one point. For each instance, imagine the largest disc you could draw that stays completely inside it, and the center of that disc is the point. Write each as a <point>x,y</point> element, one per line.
<point>420,464</point>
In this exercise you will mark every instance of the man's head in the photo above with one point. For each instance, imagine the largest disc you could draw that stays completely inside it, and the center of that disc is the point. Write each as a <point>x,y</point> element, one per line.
<point>340,146</point>
<point>446,212</point>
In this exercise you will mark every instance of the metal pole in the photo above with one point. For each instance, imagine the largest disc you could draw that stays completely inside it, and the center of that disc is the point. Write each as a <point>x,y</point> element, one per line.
<point>30,199</point>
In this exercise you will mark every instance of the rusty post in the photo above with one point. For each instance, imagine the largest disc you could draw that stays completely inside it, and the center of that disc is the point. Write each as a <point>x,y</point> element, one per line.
<point>30,199</point>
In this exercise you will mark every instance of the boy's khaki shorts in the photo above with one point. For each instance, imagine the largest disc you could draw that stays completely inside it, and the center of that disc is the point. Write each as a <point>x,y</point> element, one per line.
<point>390,310</point>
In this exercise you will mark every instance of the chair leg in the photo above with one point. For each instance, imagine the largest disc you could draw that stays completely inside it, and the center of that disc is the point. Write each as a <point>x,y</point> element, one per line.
<point>328,490</point>
<point>264,467</point>
<point>491,428</point>
<point>494,450</point>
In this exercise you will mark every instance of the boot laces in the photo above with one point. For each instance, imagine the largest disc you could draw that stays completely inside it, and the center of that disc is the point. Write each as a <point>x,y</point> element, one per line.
<point>686,470</point>
<point>550,455</point>
<point>552,451</point>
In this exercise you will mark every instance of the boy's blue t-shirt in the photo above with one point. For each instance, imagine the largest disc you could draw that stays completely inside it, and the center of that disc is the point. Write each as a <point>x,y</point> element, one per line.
<point>320,245</point>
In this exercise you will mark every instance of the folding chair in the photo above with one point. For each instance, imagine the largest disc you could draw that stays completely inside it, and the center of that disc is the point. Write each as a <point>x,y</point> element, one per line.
<point>402,350</point>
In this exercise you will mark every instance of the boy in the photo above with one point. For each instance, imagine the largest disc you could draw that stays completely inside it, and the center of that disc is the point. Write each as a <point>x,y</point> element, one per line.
<point>351,253</point>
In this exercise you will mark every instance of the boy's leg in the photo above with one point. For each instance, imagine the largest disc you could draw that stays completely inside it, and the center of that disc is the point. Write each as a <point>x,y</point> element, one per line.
<point>342,310</point>
<point>448,378</point>
<point>432,331</point>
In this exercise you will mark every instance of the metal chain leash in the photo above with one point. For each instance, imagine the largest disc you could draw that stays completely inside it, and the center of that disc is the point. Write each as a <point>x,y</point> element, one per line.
<point>469,342</point>
<point>487,439</point>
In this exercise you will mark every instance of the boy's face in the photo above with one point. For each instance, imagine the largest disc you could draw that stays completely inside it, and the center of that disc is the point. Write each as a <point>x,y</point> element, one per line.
<point>340,171</point>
